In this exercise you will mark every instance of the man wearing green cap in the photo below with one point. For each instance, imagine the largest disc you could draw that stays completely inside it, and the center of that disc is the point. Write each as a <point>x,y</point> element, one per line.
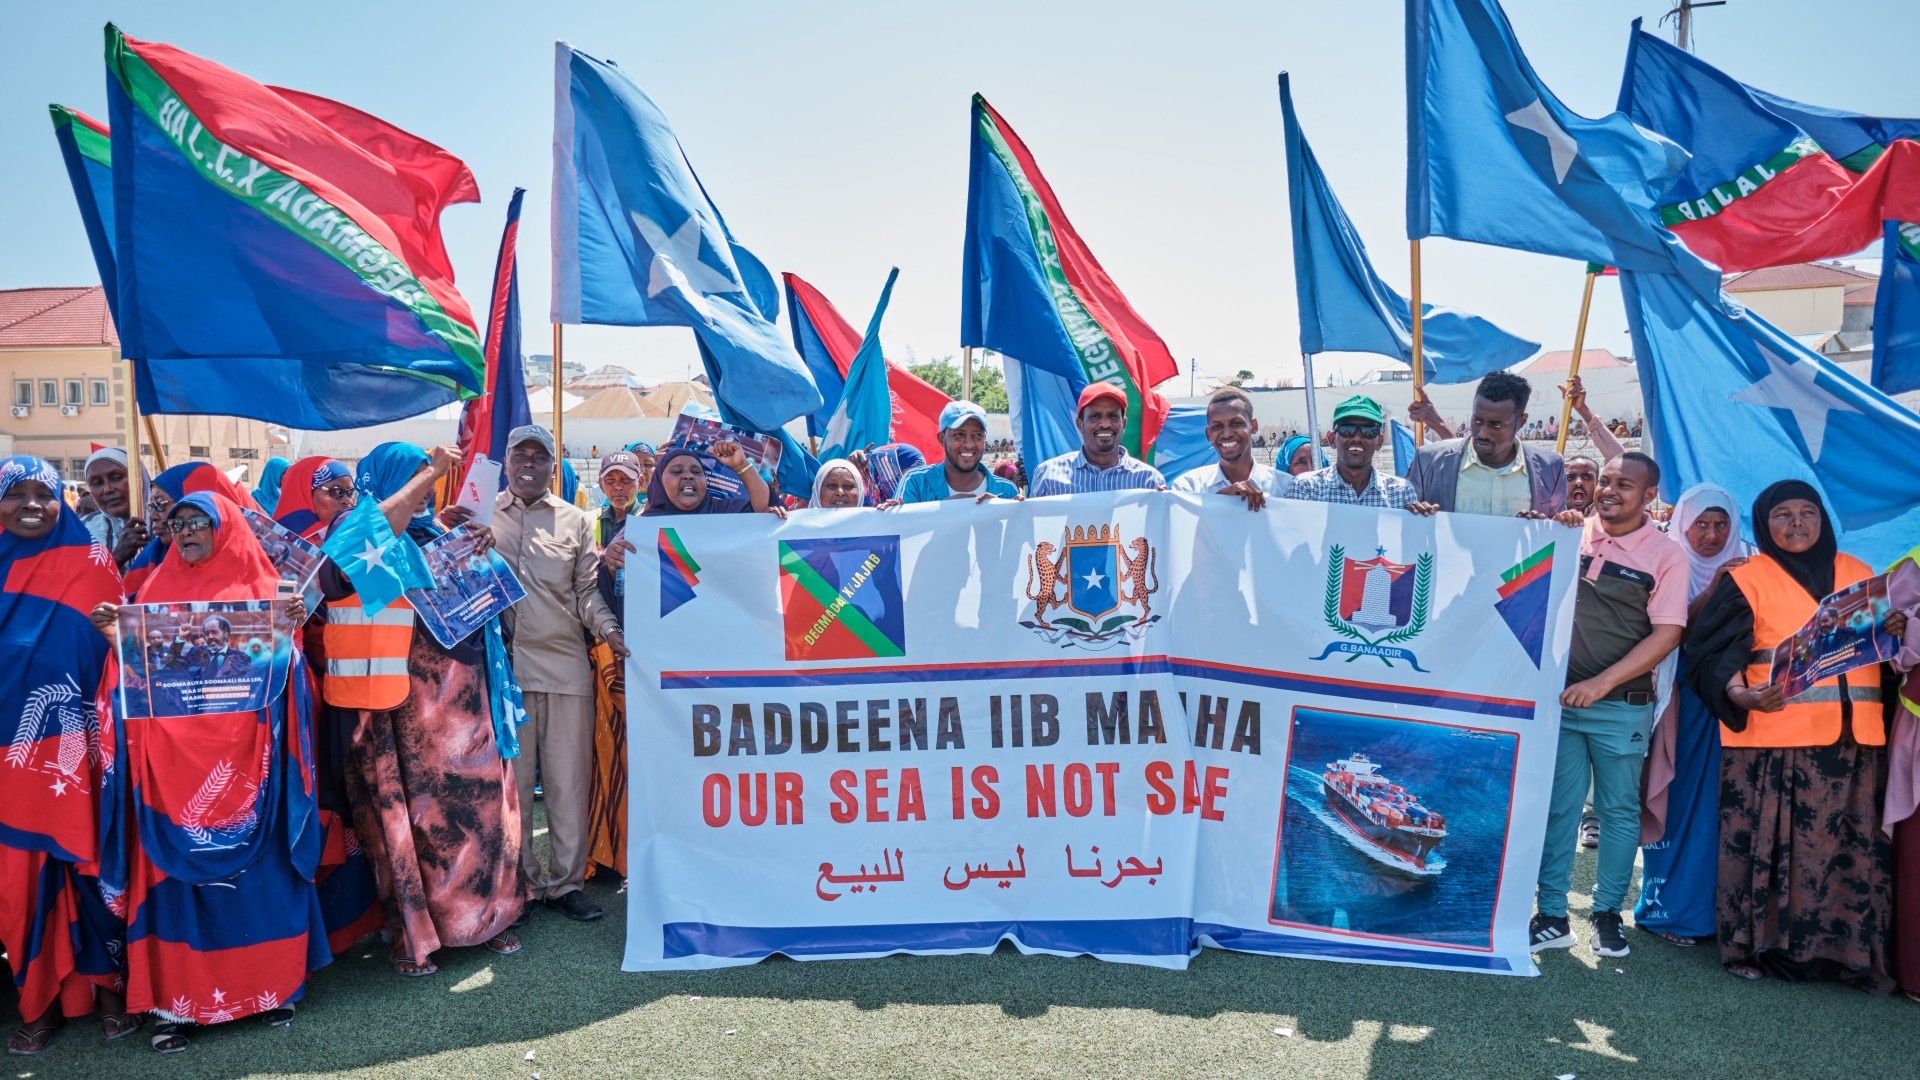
<point>1358,427</point>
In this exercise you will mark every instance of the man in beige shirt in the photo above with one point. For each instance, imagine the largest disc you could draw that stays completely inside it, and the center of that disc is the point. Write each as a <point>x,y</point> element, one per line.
<point>549,544</point>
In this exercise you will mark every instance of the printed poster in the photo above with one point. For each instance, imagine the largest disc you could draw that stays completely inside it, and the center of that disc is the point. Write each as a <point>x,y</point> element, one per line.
<point>471,588</point>
<point>296,558</point>
<point>194,659</point>
<point>1128,726</point>
<point>698,428</point>
<point>1848,631</point>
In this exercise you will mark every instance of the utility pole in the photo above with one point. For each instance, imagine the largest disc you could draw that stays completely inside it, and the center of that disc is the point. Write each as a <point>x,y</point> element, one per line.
<point>1193,371</point>
<point>1682,18</point>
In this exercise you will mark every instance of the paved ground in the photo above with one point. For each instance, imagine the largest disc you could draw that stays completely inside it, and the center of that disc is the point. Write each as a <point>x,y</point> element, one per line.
<point>1662,1012</point>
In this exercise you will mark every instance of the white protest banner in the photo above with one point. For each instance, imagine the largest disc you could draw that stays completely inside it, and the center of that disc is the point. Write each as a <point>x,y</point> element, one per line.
<point>1124,725</point>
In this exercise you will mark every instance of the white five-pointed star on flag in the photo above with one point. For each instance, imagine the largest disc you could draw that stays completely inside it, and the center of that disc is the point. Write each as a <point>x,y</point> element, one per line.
<point>374,555</point>
<point>677,262</point>
<point>1537,119</point>
<point>1791,385</point>
<point>1094,578</point>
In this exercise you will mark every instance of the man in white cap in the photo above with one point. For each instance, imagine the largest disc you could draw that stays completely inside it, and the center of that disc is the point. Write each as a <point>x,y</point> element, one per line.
<point>549,544</point>
<point>112,525</point>
<point>963,441</point>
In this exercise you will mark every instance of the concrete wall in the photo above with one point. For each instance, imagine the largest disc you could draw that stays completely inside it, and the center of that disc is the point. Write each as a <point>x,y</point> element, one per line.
<point>1800,311</point>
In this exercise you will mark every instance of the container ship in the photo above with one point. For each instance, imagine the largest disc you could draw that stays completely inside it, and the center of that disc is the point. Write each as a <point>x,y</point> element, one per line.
<point>1381,812</point>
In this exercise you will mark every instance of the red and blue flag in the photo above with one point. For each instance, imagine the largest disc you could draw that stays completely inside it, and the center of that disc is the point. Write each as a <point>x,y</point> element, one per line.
<point>278,255</point>
<point>89,160</point>
<point>503,406</point>
<point>828,344</point>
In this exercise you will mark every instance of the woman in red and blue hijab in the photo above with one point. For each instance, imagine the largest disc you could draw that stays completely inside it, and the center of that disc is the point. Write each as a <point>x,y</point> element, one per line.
<point>168,488</point>
<point>56,671</point>
<point>223,918</point>
<point>313,492</point>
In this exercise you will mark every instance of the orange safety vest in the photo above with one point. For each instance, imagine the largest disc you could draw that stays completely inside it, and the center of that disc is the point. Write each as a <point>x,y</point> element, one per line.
<point>1780,608</point>
<point>367,654</point>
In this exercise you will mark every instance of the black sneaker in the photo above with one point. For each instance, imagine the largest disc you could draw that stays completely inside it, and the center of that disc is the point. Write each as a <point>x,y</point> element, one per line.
<point>575,906</point>
<point>1608,938</point>
<point>1549,932</point>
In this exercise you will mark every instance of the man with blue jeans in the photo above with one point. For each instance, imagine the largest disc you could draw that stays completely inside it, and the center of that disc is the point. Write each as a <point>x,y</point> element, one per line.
<point>1630,612</point>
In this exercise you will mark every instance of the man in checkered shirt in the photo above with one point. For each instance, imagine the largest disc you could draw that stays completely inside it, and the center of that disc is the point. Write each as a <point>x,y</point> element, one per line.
<point>1358,428</point>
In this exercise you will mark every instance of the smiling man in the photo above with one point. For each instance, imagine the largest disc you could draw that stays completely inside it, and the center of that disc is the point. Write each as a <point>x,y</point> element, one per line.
<point>549,544</point>
<point>1491,471</point>
<point>1358,428</point>
<point>1231,430</point>
<point>1628,614</point>
<point>1102,462</point>
<point>963,439</point>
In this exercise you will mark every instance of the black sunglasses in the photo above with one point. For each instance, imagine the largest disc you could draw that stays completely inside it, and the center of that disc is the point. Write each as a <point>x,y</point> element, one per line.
<point>1348,431</point>
<point>340,494</point>
<point>200,523</point>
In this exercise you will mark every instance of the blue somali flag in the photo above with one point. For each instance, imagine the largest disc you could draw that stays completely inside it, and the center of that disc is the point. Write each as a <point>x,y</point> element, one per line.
<point>1494,157</point>
<point>1732,400</point>
<point>1896,311</point>
<point>1182,446</point>
<point>636,242</point>
<point>1345,307</point>
<point>864,416</point>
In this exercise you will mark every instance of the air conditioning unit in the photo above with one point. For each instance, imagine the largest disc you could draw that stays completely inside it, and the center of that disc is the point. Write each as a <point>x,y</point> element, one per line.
<point>21,410</point>
<point>69,410</point>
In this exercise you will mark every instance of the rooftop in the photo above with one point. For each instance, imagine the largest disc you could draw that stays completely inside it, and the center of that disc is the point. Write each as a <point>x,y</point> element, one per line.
<point>1796,276</point>
<point>1590,359</point>
<point>56,317</point>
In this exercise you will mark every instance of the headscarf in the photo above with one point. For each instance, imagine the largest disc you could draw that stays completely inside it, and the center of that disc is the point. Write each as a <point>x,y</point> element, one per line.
<point>642,447</point>
<point>267,492</point>
<point>238,569</point>
<point>1812,568</point>
<point>1289,448</point>
<point>114,454</point>
<point>179,482</point>
<point>569,483</point>
<point>827,466</point>
<point>1699,499</point>
<point>659,504</point>
<point>56,669</point>
<point>294,509</point>
<point>386,469</point>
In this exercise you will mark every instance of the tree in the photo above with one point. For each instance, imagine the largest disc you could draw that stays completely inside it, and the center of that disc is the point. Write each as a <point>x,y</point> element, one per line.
<point>1240,378</point>
<point>989,383</point>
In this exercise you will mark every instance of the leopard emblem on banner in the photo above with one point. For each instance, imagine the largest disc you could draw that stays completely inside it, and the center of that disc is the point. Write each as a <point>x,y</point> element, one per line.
<point>1108,585</point>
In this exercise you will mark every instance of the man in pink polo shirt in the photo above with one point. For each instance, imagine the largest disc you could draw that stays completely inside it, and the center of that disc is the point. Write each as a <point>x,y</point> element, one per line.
<point>1629,614</point>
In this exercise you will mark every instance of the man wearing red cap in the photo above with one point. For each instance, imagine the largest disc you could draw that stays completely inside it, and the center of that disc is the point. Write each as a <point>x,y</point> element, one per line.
<point>1103,463</point>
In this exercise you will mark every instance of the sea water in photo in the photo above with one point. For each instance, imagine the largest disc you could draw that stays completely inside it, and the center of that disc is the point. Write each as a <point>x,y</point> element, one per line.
<point>1393,828</point>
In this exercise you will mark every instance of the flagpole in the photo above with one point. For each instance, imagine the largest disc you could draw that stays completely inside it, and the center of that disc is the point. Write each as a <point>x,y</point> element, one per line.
<point>159,445</point>
<point>1573,365</point>
<point>966,372</point>
<point>559,447</point>
<point>1419,359</point>
<point>1313,417</point>
<point>136,471</point>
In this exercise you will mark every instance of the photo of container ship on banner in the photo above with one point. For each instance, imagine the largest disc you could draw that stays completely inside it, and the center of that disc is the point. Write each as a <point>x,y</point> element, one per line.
<point>1386,821</point>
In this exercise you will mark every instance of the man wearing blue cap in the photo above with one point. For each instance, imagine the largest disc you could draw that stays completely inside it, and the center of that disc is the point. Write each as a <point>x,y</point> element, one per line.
<point>963,439</point>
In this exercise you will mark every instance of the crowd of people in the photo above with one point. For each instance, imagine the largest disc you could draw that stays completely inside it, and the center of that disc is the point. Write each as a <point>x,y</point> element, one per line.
<point>170,874</point>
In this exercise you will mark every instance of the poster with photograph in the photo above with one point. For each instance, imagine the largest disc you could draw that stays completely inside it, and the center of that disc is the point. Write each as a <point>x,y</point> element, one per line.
<point>1847,631</point>
<point>472,587</point>
<point>297,558</point>
<point>699,428</point>
<point>193,659</point>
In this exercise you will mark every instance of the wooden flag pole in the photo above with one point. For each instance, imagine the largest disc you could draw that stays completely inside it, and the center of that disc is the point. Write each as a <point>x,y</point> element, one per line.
<point>1573,365</point>
<point>559,446</point>
<point>1419,360</point>
<point>153,436</point>
<point>136,471</point>
<point>966,372</point>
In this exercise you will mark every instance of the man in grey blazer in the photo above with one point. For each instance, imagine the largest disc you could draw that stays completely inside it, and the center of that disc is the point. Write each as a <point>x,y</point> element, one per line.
<point>1490,471</point>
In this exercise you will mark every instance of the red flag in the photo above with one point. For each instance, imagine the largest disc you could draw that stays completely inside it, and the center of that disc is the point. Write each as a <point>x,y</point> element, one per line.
<point>916,402</point>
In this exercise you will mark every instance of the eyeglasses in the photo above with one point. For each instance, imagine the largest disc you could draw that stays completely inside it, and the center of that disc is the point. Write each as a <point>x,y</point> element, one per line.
<point>176,526</point>
<point>340,494</point>
<point>1365,431</point>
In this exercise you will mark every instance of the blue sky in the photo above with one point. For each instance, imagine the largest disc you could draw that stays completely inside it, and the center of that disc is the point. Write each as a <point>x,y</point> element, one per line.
<point>834,138</point>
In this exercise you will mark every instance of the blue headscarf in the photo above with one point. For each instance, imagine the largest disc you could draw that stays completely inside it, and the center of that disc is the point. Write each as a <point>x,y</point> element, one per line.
<point>267,494</point>
<point>569,482</point>
<point>386,469</point>
<point>1291,447</point>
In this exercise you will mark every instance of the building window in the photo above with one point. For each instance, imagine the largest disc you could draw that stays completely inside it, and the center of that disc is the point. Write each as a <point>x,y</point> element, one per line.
<point>76,392</point>
<point>77,469</point>
<point>23,392</point>
<point>49,392</point>
<point>198,451</point>
<point>243,453</point>
<point>99,391</point>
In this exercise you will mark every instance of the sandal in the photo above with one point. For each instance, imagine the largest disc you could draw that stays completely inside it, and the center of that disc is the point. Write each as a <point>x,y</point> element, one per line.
<point>1675,939</point>
<point>120,1025</point>
<point>171,1038</point>
<point>414,969</point>
<point>503,944</point>
<point>1745,971</point>
<point>29,1041</point>
<point>281,1017</point>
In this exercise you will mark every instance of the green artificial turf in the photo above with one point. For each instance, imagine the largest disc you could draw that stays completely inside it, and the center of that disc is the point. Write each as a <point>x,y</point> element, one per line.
<point>1661,1012</point>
